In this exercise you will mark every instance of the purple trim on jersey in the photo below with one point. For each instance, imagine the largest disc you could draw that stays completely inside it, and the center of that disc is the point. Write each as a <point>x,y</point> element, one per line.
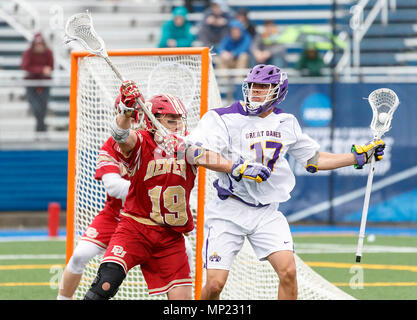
<point>223,194</point>
<point>278,111</point>
<point>207,242</point>
<point>235,107</point>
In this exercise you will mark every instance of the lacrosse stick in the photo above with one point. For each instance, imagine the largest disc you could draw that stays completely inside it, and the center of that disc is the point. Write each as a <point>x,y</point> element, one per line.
<point>383,103</point>
<point>79,27</point>
<point>164,79</point>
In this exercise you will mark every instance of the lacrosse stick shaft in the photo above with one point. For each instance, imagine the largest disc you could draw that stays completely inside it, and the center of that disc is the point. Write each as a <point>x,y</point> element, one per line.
<point>365,210</point>
<point>150,115</point>
<point>79,27</point>
<point>115,70</point>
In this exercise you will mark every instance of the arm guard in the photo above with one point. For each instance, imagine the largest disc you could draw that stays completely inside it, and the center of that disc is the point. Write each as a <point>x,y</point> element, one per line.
<point>312,164</point>
<point>194,152</point>
<point>119,135</point>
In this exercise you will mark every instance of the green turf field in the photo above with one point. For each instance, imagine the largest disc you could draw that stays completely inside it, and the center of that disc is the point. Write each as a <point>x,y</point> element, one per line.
<point>32,269</point>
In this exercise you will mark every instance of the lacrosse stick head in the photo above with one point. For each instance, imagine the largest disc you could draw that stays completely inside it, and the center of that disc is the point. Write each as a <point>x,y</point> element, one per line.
<point>79,27</point>
<point>383,102</point>
<point>163,79</point>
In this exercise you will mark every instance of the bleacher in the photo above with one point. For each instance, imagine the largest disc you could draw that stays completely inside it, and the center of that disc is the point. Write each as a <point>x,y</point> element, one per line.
<point>391,44</point>
<point>136,24</point>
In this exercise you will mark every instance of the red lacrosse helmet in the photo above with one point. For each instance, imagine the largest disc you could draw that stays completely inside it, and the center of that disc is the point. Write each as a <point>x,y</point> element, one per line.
<point>166,104</point>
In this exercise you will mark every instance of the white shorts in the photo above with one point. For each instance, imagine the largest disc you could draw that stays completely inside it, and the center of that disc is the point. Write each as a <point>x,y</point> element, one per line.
<point>224,237</point>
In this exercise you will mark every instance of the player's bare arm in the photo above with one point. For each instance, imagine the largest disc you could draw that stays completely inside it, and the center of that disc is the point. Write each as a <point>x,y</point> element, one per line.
<point>360,155</point>
<point>241,169</point>
<point>330,161</point>
<point>209,160</point>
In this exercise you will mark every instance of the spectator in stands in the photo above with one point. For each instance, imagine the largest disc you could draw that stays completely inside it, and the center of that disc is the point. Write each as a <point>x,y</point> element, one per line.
<point>242,16</point>
<point>310,63</point>
<point>214,26</point>
<point>38,62</point>
<point>177,32</point>
<point>189,4</point>
<point>266,49</point>
<point>233,50</point>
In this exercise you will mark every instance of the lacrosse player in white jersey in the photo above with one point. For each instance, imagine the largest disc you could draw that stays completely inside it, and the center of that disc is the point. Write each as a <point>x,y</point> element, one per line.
<point>257,130</point>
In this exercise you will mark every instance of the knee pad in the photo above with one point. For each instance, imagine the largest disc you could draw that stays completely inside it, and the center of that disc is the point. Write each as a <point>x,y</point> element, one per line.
<point>107,282</point>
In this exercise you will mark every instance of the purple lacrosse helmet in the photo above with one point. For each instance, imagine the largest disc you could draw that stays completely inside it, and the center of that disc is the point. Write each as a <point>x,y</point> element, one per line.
<point>278,88</point>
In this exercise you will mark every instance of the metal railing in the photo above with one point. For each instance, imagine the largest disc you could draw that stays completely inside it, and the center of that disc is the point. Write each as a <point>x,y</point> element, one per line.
<point>22,17</point>
<point>361,25</point>
<point>25,19</point>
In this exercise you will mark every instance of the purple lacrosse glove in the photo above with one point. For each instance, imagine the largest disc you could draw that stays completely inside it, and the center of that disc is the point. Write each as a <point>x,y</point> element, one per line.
<point>250,170</point>
<point>364,153</point>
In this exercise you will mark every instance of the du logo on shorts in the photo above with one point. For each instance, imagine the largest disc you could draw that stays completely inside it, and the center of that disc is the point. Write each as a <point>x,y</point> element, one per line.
<point>118,251</point>
<point>91,232</point>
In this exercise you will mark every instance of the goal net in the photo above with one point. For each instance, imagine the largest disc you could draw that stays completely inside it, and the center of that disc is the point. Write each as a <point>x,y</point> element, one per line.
<point>187,73</point>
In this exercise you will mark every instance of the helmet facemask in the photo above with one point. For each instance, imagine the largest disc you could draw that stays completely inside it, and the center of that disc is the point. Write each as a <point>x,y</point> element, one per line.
<point>175,125</point>
<point>265,101</point>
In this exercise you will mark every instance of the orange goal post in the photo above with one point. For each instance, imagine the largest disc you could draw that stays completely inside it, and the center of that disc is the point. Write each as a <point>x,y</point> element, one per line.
<point>186,72</point>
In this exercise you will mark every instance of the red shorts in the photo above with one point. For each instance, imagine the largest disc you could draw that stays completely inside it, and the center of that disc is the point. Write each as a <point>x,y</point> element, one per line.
<point>159,251</point>
<point>101,229</point>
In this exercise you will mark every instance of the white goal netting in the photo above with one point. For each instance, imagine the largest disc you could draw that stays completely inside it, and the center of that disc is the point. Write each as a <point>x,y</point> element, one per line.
<point>180,75</point>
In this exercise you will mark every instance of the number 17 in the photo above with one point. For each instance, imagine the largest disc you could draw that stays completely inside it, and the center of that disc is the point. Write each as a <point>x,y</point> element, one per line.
<point>257,146</point>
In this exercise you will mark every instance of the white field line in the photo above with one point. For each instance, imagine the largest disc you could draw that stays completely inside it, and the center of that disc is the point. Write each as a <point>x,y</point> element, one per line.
<point>325,205</point>
<point>313,248</point>
<point>31,256</point>
<point>30,238</point>
<point>319,248</point>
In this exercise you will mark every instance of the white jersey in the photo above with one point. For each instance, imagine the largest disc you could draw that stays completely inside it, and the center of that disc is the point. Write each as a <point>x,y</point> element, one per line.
<point>233,134</point>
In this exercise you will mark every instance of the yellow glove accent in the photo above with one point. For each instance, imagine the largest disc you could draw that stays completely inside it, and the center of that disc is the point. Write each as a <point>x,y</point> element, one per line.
<point>245,164</point>
<point>369,146</point>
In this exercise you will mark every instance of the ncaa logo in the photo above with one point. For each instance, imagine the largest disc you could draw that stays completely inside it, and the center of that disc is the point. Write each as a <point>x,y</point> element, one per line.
<point>316,110</point>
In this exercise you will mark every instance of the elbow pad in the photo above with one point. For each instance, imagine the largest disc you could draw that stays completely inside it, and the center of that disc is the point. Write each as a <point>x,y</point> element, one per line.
<point>115,185</point>
<point>194,152</point>
<point>312,164</point>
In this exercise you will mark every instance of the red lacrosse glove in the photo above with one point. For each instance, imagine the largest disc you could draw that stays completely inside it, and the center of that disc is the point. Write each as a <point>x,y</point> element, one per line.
<point>129,93</point>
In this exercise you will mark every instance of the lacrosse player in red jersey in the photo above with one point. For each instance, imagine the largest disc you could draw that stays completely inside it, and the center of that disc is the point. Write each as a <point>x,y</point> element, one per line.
<point>156,211</point>
<point>111,171</point>
<point>97,235</point>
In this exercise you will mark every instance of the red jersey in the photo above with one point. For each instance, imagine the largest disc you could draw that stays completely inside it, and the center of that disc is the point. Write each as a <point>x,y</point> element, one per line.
<point>160,186</point>
<point>109,162</point>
